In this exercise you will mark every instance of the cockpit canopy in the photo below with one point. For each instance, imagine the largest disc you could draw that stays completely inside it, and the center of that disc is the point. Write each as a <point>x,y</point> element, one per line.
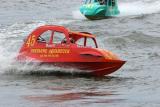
<point>84,39</point>
<point>101,2</point>
<point>89,1</point>
<point>58,35</point>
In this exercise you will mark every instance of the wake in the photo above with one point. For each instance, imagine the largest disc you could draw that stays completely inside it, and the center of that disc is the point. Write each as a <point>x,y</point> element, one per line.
<point>139,8</point>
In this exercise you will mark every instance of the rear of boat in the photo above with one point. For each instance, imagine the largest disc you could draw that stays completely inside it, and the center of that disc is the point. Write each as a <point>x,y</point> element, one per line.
<point>112,8</point>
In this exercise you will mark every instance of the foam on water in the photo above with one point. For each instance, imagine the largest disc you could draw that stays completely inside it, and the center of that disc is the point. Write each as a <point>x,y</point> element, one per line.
<point>139,7</point>
<point>77,15</point>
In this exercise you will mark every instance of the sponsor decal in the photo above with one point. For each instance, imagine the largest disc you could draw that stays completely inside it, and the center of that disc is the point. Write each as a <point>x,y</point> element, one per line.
<point>50,52</point>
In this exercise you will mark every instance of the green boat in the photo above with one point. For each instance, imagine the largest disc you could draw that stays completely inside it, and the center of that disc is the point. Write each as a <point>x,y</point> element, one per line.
<point>99,9</point>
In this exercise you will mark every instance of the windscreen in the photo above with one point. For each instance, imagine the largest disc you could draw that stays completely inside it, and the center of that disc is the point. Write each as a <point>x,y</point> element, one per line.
<point>89,1</point>
<point>87,42</point>
<point>90,43</point>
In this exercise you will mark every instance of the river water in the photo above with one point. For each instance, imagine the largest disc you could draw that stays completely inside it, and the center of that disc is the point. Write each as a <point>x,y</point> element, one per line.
<point>134,36</point>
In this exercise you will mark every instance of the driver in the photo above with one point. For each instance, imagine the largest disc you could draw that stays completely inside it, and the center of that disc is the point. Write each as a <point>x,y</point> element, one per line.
<point>64,41</point>
<point>70,39</point>
<point>102,2</point>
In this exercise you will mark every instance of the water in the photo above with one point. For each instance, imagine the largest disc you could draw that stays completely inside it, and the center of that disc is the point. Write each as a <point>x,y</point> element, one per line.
<point>134,36</point>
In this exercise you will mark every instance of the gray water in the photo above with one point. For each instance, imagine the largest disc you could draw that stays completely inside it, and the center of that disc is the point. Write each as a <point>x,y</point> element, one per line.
<point>134,36</point>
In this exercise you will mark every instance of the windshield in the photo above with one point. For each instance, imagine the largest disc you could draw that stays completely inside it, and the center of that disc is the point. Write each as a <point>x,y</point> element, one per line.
<point>90,43</point>
<point>87,42</point>
<point>89,1</point>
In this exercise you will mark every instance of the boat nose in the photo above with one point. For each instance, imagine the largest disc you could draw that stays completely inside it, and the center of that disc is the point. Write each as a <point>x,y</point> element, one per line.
<point>120,63</point>
<point>123,62</point>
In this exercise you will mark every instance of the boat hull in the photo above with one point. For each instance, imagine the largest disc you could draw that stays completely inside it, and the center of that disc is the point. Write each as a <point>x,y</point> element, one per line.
<point>89,68</point>
<point>97,17</point>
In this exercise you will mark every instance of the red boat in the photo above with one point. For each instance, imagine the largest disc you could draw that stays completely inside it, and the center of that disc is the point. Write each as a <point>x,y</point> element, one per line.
<point>58,46</point>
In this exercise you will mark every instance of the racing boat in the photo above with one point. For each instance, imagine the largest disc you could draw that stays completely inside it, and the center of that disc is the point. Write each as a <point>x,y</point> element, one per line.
<point>99,9</point>
<point>61,47</point>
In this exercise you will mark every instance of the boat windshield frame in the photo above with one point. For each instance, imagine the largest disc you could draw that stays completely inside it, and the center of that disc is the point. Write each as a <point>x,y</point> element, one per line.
<point>85,42</point>
<point>89,1</point>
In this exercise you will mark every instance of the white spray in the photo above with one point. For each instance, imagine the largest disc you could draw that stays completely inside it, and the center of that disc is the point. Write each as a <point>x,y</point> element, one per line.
<point>139,7</point>
<point>11,39</point>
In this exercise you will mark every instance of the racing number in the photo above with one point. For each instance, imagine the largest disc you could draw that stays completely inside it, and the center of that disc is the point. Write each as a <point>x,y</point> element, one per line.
<point>31,41</point>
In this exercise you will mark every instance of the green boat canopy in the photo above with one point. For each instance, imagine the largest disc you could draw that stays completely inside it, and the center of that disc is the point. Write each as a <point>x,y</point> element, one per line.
<point>96,9</point>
